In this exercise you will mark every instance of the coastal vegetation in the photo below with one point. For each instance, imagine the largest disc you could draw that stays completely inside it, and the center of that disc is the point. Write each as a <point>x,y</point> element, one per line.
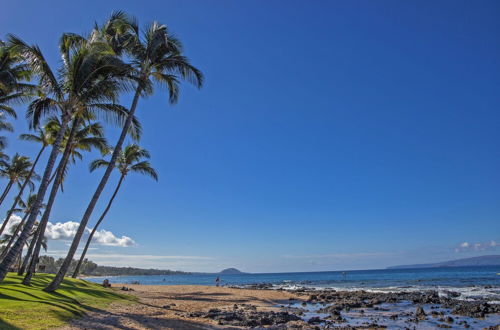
<point>69,108</point>
<point>90,268</point>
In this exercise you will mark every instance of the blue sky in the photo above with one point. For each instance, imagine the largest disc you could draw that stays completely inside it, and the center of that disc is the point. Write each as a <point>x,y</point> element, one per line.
<point>329,135</point>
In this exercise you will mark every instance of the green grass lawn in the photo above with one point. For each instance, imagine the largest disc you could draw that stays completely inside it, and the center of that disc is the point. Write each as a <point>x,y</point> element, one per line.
<point>23,307</point>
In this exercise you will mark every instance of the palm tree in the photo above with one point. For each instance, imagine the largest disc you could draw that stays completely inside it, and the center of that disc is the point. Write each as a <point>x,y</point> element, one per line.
<point>11,237</point>
<point>90,77</point>
<point>18,169</point>
<point>45,136</point>
<point>130,160</point>
<point>85,138</point>
<point>12,72</point>
<point>157,57</point>
<point>25,210</point>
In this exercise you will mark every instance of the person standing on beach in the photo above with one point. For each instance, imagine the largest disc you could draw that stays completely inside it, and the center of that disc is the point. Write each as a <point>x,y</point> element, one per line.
<point>217,281</point>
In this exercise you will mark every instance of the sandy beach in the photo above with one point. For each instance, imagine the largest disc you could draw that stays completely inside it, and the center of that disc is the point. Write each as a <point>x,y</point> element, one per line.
<point>175,307</point>
<point>208,307</point>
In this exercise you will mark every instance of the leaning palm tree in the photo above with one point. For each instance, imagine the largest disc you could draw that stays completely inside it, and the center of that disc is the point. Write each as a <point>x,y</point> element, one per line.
<point>130,160</point>
<point>25,208</point>
<point>90,78</point>
<point>11,237</point>
<point>85,138</point>
<point>17,170</point>
<point>45,136</point>
<point>157,57</point>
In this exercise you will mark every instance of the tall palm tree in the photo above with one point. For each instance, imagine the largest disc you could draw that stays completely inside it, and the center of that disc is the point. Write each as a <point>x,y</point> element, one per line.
<point>11,237</point>
<point>157,57</point>
<point>90,77</point>
<point>85,138</point>
<point>24,209</point>
<point>130,160</point>
<point>45,136</point>
<point>17,170</point>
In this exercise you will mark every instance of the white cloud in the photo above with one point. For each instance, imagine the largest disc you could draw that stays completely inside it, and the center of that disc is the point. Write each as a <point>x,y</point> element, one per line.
<point>480,246</point>
<point>105,237</point>
<point>13,222</point>
<point>61,230</point>
<point>65,231</point>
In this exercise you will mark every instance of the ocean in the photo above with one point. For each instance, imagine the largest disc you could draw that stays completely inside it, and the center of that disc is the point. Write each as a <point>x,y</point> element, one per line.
<point>471,282</point>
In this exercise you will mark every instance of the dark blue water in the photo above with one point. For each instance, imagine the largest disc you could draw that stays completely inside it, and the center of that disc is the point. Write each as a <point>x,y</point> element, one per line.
<point>470,281</point>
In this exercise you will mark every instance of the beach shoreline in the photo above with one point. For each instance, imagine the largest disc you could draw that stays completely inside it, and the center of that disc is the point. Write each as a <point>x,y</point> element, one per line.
<point>209,307</point>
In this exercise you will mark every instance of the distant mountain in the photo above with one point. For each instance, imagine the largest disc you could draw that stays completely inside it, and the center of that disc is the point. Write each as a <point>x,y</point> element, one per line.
<point>492,260</point>
<point>231,271</point>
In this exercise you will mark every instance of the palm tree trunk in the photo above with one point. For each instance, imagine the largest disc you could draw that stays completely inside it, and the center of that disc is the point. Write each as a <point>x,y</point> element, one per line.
<point>14,235</point>
<point>77,269</point>
<point>42,189</point>
<point>6,191</point>
<point>20,259</point>
<point>20,194</point>
<point>28,254</point>
<point>54,285</point>
<point>52,197</point>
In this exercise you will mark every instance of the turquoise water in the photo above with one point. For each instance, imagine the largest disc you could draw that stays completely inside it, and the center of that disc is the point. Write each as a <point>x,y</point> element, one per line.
<point>469,281</point>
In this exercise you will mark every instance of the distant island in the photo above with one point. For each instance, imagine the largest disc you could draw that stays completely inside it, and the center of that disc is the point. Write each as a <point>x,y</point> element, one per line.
<point>231,271</point>
<point>490,260</point>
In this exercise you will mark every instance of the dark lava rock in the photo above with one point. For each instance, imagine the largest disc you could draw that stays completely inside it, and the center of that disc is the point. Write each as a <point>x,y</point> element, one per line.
<point>420,313</point>
<point>249,318</point>
<point>315,320</point>
<point>472,308</point>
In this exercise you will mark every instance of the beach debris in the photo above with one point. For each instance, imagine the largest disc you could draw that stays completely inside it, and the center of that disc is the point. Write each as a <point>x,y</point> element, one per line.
<point>124,288</point>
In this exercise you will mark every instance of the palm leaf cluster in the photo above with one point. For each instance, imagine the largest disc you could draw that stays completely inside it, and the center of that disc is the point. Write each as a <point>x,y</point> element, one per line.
<point>68,109</point>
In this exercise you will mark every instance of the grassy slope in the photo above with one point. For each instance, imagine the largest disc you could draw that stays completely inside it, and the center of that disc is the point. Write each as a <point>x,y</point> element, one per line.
<point>23,307</point>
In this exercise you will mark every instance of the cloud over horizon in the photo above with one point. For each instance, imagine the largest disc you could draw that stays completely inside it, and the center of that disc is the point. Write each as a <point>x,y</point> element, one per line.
<point>481,246</point>
<point>65,231</point>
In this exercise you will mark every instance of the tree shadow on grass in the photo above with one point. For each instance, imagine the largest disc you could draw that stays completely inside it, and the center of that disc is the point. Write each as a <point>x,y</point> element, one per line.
<point>7,326</point>
<point>59,304</point>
